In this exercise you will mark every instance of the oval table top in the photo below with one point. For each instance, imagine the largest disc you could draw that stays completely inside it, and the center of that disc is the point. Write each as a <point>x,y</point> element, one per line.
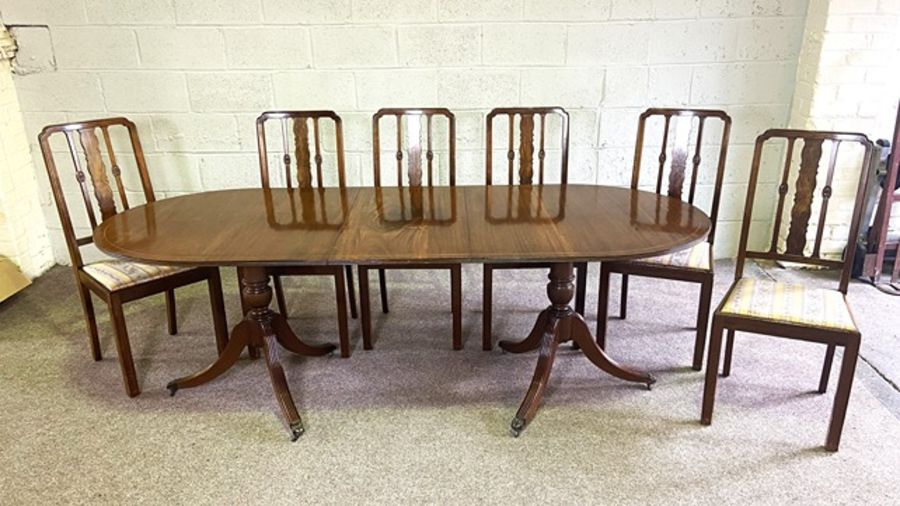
<point>391,225</point>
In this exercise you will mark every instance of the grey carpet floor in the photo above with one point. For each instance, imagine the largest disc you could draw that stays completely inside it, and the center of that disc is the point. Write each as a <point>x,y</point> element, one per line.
<point>415,422</point>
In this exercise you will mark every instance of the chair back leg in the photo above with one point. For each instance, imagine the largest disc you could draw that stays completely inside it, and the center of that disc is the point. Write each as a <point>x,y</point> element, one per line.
<point>580,286</point>
<point>279,296</point>
<point>341,297</point>
<point>217,304</point>
<point>171,312</point>
<point>382,286</point>
<point>487,306</point>
<point>456,304</point>
<point>623,300</point>
<point>351,290</point>
<point>729,349</point>
<point>603,306</point>
<point>365,308</point>
<point>702,323</point>
<point>90,319</point>
<point>826,369</point>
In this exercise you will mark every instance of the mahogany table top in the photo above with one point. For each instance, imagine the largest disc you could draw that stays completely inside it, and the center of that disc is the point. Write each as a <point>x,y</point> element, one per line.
<point>390,225</point>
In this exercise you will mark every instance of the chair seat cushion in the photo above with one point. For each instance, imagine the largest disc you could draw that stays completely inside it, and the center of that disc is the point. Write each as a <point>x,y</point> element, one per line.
<point>118,274</point>
<point>786,303</point>
<point>697,257</point>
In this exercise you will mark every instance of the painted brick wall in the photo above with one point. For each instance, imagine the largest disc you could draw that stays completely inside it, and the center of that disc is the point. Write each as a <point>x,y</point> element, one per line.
<point>194,74</point>
<point>23,234</point>
<point>849,79</point>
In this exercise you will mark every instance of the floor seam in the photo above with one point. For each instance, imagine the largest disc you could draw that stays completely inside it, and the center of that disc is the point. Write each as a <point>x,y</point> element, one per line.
<point>888,380</point>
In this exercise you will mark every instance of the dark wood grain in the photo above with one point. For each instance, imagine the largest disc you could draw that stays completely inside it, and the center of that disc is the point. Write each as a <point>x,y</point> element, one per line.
<point>599,223</point>
<point>803,196</point>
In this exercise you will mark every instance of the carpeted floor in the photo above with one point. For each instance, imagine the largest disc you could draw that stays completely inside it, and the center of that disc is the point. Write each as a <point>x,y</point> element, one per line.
<point>415,422</point>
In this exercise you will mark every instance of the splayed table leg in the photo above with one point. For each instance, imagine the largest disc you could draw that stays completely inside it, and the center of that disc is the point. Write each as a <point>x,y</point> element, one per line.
<point>265,329</point>
<point>557,324</point>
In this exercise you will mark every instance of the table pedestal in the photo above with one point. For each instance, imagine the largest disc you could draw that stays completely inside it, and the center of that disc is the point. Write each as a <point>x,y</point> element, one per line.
<point>263,329</point>
<point>557,324</point>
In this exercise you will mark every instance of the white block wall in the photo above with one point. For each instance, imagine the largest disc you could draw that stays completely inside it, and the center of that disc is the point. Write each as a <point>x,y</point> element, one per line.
<point>194,74</point>
<point>23,233</point>
<point>849,80</point>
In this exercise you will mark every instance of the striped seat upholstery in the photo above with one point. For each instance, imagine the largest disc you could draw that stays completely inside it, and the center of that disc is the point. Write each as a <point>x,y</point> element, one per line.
<point>785,303</point>
<point>118,274</point>
<point>697,258</point>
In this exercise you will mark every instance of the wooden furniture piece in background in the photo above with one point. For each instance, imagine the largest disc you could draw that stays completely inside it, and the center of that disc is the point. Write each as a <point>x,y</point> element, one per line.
<point>878,239</point>
<point>795,311</point>
<point>116,281</point>
<point>680,152</point>
<point>295,129</point>
<point>600,223</point>
<point>526,178</point>
<point>409,126</point>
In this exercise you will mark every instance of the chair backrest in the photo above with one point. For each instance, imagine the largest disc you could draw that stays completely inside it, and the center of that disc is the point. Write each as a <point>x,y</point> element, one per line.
<point>85,149</point>
<point>295,130</point>
<point>682,132</point>
<point>795,248</point>
<point>527,143</point>
<point>409,127</point>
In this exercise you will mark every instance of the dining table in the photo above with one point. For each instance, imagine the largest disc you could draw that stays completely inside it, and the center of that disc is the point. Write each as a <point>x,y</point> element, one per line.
<point>256,229</point>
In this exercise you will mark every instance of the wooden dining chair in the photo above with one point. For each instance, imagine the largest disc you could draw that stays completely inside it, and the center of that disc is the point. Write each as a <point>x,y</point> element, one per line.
<point>529,119</point>
<point>796,311</point>
<point>679,161</point>
<point>116,281</point>
<point>410,124</point>
<point>300,131</point>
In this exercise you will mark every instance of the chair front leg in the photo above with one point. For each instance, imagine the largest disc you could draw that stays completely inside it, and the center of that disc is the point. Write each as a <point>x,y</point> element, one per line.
<point>712,372</point>
<point>842,396</point>
<point>123,346</point>
<point>623,300</point>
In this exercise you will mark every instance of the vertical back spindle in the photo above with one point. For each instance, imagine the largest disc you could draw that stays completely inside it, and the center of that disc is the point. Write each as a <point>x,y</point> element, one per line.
<point>662,154</point>
<point>782,193</point>
<point>116,170</point>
